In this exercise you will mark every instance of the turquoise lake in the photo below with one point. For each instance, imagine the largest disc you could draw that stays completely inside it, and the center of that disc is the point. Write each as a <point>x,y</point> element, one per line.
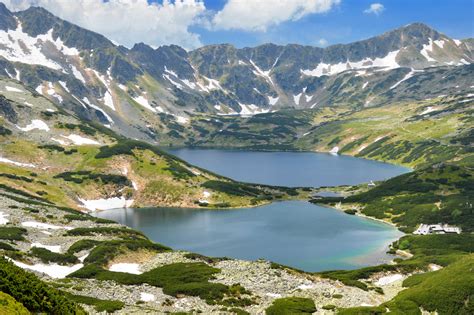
<point>293,233</point>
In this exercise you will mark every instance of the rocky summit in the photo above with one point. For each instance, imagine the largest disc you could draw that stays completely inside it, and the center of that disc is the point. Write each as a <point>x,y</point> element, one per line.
<point>141,90</point>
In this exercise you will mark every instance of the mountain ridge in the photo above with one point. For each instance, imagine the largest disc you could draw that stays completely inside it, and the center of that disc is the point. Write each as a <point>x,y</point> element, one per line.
<point>143,91</point>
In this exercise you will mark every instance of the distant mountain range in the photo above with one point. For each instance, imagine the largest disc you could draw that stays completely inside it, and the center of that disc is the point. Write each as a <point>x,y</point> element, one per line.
<point>140,91</point>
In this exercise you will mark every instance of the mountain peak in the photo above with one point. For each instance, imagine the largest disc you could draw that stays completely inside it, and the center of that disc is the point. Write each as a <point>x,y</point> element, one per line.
<point>418,32</point>
<point>7,21</point>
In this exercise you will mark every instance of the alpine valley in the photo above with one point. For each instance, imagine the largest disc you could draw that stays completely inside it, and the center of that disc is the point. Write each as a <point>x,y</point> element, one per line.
<point>85,125</point>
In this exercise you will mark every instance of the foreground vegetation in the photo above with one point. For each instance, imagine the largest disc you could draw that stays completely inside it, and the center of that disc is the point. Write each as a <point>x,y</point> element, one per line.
<point>32,293</point>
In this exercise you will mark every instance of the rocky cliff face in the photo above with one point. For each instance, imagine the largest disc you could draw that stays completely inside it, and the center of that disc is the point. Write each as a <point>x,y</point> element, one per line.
<point>137,90</point>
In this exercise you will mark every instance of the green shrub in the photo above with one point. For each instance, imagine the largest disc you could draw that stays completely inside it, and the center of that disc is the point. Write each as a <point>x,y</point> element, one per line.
<point>108,306</point>
<point>180,278</point>
<point>122,232</point>
<point>291,305</point>
<point>6,246</point>
<point>48,256</point>
<point>105,251</point>
<point>5,131</point>
<point>232,188</point>
<point>33,293</point>
<point>12,233</point>
<point>17,177</point>
<point>81,176</point>
<point>329,307</point>
<point>82,245</point>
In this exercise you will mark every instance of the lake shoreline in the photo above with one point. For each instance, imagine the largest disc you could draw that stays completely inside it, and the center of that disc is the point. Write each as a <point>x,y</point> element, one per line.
<point>250,149</point>
<point>234,234</point>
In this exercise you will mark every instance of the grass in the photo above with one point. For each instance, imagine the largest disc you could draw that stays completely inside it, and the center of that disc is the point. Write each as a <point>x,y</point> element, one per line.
<point>291,305</point>
<point>9,305</point>
<point>108,306</point>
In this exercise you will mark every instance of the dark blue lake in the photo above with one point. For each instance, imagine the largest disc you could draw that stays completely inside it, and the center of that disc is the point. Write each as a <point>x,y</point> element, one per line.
<point>291,169</point>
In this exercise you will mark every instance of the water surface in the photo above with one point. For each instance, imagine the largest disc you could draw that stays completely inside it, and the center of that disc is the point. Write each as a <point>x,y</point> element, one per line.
<point>294,233</point>
<point>291,169</point>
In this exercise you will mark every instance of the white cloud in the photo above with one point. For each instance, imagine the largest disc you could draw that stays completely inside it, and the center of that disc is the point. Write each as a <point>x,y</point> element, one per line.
<point>375,8</point>
<point>323,42</point>
<point>129,21</point>
<point>259,15</point>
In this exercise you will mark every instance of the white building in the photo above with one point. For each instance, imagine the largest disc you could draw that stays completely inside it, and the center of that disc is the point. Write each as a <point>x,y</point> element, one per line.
<point>425,229</point>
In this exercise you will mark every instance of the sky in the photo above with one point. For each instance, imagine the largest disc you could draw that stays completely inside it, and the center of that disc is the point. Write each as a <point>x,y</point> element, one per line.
<point>246,23</point>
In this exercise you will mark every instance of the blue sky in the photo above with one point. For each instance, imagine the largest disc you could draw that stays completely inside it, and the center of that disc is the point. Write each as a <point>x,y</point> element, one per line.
<point>193,23</point>
<point>347,22</point>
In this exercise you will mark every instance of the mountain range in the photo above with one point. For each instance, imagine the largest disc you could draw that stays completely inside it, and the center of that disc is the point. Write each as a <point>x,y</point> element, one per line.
<point>145,92</point>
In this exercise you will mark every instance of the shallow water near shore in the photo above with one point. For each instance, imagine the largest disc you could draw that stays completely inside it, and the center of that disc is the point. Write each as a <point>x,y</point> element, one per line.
<point>293,233</point>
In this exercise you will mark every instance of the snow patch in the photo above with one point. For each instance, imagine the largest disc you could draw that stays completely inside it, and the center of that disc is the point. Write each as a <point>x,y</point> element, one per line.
<point>79,140</point>
<point>144,102</point>
<point>296,98</point>
<point>181,119</point>
<point>428,48</point>
<point>3,218</point>
<point>53,270</point>
<point>429,109</point>
<point>108,100</point>
<point>334,150</point>
<point>106,204</point>
<point>388,62</point>
<point>388,279</point>
<point>13,42</point>
<point>126,267</point>
<point>4,160</point>
<point>77,74</point>
<point>146,297</point>
<point>190,84</point>
<point>273,100</point>
<point>86,100</point>
<point>35,124</point>
<point>44,226</point>
<point>249,110</point>
<point>406,77</point>
<point>306,286</point>
<point>261,73</point>
<point>167,77</point>
<point>13,89</point>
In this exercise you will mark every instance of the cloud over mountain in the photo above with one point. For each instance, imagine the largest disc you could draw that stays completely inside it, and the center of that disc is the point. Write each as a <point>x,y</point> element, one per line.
<point>258,15</point>
<point>129,22</point>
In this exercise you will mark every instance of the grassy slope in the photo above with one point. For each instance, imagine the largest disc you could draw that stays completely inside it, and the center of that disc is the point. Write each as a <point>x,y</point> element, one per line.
<point>396,133</point>
<point>159,178</point>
